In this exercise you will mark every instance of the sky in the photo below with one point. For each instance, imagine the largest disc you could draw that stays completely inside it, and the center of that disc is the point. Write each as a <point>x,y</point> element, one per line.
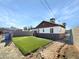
<point>21,13</point>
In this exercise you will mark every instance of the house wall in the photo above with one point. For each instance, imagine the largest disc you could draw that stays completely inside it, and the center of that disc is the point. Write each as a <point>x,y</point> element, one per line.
<point>56,30</point>
<point>44,30</point>
<point>58,33</point>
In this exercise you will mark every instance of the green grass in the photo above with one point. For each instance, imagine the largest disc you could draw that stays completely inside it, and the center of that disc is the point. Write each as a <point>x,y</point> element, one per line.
<point>29,43</point>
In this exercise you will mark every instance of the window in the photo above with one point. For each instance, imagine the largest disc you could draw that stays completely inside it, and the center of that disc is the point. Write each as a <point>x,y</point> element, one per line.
<point>43,29</point>
<point>38,30</point>
<point>51,30</point>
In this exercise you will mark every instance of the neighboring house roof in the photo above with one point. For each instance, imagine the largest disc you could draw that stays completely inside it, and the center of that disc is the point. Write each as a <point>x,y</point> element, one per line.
<point>45,24</point>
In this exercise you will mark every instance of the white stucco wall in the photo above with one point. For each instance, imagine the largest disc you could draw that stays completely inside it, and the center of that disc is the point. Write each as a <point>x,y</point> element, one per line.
<point>46,30</point>
<point>34,30</point>
<point>56,29</point>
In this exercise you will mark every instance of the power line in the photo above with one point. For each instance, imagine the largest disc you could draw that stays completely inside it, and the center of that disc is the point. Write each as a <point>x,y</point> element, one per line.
<point>47,6</point>
<point>43,4</point>
<point>41,1</point>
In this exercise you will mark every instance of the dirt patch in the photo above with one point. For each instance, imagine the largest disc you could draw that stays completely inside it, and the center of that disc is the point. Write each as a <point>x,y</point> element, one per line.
<point>72,53</point>
<point>61,53</point>
<point>56,50</point>
<point>10,52</point>
<point>49,52</point>
<point>68,52</point>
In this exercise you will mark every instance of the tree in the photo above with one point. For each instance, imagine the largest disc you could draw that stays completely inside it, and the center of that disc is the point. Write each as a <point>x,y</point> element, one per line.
<point>12,27</point>
<point>64,24</point>
<point>29,28</point>
<point>25,28</point>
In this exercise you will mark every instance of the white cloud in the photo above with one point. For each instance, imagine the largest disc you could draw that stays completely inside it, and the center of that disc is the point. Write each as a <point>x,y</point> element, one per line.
<point>8,22</point>
<point>70,4</point>
<point>69,10</point>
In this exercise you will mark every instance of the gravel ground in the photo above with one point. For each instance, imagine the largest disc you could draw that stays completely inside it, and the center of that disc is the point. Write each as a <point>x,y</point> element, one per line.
<point>71,52</point>
<point>50,52</point>
<point>10,52</point>
<point>55,50</point>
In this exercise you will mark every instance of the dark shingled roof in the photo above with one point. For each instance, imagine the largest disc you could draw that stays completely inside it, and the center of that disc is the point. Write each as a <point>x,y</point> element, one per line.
<point>45,24</point>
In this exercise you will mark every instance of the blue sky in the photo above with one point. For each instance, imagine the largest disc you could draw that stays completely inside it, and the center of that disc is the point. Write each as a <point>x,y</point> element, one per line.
<point>20,13</point>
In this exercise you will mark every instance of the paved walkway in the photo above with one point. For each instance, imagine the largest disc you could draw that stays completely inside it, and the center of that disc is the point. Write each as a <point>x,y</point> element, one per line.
<point>10,52</point>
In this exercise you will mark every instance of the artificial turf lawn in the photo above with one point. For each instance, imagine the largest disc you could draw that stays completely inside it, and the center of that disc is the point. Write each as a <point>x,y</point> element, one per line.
<point>28,44</point>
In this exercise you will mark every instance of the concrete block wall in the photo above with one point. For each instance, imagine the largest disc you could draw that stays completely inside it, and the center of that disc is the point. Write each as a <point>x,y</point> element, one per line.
<point>75,32</point>
<point>0,38</point>
<point>22,33</point>
<point>69,37</point>
<point>50,36</point>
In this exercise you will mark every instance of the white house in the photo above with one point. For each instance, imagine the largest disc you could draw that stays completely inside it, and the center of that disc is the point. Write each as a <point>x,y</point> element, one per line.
<point>50,27</point>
